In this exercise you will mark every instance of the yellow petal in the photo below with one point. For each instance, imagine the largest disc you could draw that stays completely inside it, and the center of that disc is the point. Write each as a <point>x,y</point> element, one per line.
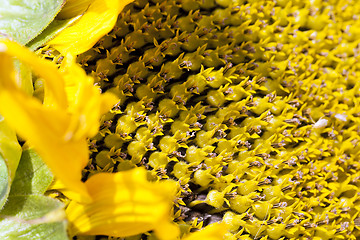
<point>99,19</point>
<point>215,231</point>
<point>86,104</point>
<point>124,204</point>
<point>58,129</point>
<point>54,84</point>
<point>42,126</point>
<point>73,8</point>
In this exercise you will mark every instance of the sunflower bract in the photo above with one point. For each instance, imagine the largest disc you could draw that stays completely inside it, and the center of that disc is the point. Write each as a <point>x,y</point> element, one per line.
<point>252,106</point>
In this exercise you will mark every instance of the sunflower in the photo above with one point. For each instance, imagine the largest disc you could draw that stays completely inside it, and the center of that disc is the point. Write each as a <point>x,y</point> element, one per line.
<point>250,106</point>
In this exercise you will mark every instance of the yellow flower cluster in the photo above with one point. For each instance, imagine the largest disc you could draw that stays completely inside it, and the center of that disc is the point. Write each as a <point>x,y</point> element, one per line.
<point>252,106</point>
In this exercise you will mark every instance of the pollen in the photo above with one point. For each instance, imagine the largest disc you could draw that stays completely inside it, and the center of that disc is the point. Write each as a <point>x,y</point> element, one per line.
<point>251,106</point>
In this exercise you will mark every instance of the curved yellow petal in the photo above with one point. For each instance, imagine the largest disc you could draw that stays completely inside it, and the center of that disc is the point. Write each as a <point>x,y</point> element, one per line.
<point>73,8</point>
<point>59,129</point>
<point>43,126</point>
<point>86,104</point>
<point>99,19</point>
<point>54,85</point>
<point>124,204</point>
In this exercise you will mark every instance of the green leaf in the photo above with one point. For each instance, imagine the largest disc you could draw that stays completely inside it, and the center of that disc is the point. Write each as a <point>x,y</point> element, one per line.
<point>23,20</point>
<point>9,147</point>
<point>50,32</point>
<point>10,152</point>
<point>27,213</point>
<point>33,217</point>
<point>32,176</point>
<point>4,182</point>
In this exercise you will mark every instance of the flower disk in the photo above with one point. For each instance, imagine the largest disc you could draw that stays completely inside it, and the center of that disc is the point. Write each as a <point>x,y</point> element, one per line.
<point>252,106</point>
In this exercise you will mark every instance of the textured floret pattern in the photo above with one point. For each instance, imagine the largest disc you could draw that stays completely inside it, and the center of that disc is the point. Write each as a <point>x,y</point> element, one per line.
<point>251,106</point>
